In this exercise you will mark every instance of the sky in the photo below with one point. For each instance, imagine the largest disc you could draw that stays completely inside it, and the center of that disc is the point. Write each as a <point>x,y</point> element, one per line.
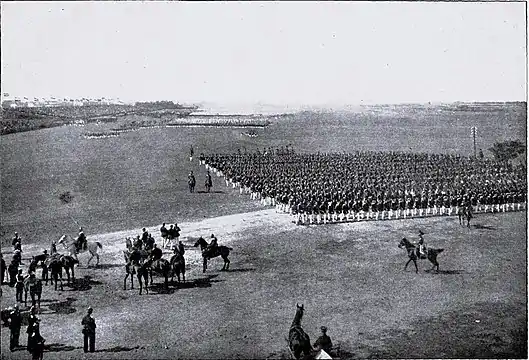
<point>307,53</point>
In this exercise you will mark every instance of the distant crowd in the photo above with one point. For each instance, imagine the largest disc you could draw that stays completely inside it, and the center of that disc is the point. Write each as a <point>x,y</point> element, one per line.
<point>325,187</point>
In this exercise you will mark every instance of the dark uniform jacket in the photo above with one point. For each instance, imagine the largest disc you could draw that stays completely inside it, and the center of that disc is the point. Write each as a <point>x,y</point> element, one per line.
<point>89,325</point>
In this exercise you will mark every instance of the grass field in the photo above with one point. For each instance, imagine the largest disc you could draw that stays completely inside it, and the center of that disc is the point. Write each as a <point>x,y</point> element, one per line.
<point>349,276</point>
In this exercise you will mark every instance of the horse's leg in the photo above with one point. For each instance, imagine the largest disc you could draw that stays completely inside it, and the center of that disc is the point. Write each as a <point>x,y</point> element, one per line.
<point>125,281</point>
<point>227,262</point>
<point>415,263</point>
<point>97,259</point>
<point>405,266</point>
<point>204,265</point>
<point>141,282</point>
<point>88,263</point>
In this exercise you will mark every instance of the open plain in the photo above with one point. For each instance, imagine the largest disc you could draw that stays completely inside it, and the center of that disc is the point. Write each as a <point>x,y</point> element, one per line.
<point>350,276</point>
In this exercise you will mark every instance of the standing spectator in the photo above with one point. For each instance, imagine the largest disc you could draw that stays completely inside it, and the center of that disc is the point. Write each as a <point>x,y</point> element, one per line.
<point>15,322</point>
<point>89,331</point>
<point>176,234</point>
<point>19,286</point>
<point>324,341</point>
<point>32,321</point>
<point>36,342</point>
<point>3,269</point>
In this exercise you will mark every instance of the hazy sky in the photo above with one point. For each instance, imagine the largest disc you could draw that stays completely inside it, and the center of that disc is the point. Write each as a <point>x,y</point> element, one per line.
<point>298,53</point>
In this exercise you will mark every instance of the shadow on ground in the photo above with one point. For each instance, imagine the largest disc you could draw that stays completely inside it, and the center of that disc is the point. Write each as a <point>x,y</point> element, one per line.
<point>484,227</point>
<point>206,282</point>
<point>63,307</point>
<point>211,192</point>
<point>445,272</point>
<point>83,284</point>
<point>56,347</point>
<point>109,266</point>
<point>118,349</point>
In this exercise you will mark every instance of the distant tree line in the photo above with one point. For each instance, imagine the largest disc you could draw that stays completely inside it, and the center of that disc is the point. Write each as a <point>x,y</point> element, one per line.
<point>507,150</point>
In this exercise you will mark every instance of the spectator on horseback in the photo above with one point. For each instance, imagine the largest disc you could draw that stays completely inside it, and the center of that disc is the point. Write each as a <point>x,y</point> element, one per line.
<point>16,239</point>
<point>164,233</point>
<point>149,243</point>
<point>156,253</point>
<point>15,322</point>
<point>81,240</point>
<point>144,235</point>
<point>213,244</point>
<point>138,244</point>
<point>176,233</point>
<point>324,341</point>
<point>180,248</point>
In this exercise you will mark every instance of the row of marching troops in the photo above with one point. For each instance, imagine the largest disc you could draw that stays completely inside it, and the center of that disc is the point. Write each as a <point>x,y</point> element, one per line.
<point>317,188</point>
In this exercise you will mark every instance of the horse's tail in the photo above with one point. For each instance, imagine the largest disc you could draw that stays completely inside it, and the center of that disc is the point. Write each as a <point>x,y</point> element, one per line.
<point>99,245</point>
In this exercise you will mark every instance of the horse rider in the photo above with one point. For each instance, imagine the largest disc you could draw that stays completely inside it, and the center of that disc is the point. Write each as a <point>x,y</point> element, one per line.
<point>17,256</point>
<point>212,245</point>
<point>421,250</point>
<point>176,232</point>
<point>156,253</point>
<point>144,235</point>
<point>209,182</point>
<point>81,240</point>
<point>138,244</point>
<point>19,286</point>
<point>15,322</point>
<point>191,182</point>
<point>164,233</point>
<point>16,242</point>
<point>324,341</point>
<point>181,248</point>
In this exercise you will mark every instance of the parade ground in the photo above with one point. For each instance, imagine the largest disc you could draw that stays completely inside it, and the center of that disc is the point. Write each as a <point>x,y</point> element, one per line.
<point>350,276</point>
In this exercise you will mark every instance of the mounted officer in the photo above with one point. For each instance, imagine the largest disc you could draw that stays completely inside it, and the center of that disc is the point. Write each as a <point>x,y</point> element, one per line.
<point>422,251</point>
<point>81,240</point>
<point>213,245</point>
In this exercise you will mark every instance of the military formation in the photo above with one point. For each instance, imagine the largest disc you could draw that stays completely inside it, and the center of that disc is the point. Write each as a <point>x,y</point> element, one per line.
<point>371,185</point>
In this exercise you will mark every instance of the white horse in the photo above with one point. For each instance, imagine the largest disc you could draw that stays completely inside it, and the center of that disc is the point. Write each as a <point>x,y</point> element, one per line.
<point>71,246</point>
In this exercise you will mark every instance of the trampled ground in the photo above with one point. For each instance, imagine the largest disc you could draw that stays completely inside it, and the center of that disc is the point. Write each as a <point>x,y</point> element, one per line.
<point>349,276</point>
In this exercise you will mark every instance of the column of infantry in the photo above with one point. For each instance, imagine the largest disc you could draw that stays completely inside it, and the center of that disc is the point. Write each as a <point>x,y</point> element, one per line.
<point>370,185</point>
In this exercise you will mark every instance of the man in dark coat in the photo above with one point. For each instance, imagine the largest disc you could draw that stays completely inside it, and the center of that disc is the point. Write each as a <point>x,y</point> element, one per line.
<point>32,321</point>
<point>324,341</point>
<point>15,322</point>
<point>89,331</point>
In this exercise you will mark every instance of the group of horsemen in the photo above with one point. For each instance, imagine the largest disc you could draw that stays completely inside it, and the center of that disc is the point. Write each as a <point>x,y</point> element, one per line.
<point>374,185</point>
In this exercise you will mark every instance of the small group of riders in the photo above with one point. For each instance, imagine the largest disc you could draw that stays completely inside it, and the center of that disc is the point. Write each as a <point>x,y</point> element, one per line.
<point>168,235</point>
<point>191,181</point>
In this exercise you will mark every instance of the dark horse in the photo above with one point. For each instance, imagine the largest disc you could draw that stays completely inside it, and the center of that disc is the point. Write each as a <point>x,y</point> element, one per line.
<point>298,340</point>
<point>135,266</point>
<point>34,287</point>
<point>178,265</point>
<point>222,251</point>
<point>54,264</point>
<point>161,267</point>
<point>412,254</point>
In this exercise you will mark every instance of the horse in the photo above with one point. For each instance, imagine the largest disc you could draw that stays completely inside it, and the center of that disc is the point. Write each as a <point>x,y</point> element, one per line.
<point>140,270</point>
<point>412,254</point>
<point>68,263</point>
<point>34,287</point>
<point>178,266</point>
<point>71,245</point>
<point>35,263</point>
<point>161,267</point>
<point>298,340</point>
<point>55,266</point>
<point>222,251</point>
